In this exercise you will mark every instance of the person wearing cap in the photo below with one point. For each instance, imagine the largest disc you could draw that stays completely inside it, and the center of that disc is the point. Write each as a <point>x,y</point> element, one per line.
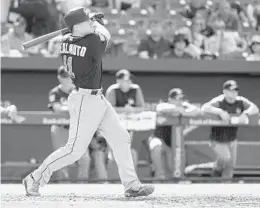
<point>58,103</point>
<point>160,143</point>
<point>254,48</point>
<point>82,50</point>
<point>128,95</point>
<point>224,138</point>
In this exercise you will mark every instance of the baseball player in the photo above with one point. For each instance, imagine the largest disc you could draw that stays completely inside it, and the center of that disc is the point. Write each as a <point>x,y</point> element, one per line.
<point>81,51</point>
<point>128,95</point>
<point>160,142</point>
<point>224,139</point>
<point>58,103</point>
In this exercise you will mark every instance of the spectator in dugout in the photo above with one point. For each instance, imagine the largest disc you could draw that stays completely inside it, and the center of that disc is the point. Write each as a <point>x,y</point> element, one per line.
<point>11,42</point>
<point>254,48</point>
<point>224,139</point>
<point>160,143</point>
<point>127,95</point>
<point>154,45</point>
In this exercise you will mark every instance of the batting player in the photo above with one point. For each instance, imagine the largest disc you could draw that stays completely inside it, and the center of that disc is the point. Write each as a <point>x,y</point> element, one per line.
<point>160,142</point>
<point>58,103</point>
<point>81,51</point>
<point>128,95</point>
<point>224,139</point>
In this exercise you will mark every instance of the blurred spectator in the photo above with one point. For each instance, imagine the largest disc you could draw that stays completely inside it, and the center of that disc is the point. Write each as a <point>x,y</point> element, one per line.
<point>206,29</point>
<point>54,47</point>
<point>154,45</point>
<point>227,15</point>
<point>254,49</point>
<point>196,37</point>
<point>253,13</point>
<point>178,48</point>
<point>12,41</point>
<point>41,15</point>
<point>238,8</point>
<point>101,3</point>
<point>126,4</point>
<point>224,42</point>
<point>194,7</point>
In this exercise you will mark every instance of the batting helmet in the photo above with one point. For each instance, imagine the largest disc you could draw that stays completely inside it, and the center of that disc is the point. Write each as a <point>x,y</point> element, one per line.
<point>80,14</point>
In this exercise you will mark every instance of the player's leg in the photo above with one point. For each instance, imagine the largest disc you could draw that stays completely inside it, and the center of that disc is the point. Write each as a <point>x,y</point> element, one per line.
<point>59,137</point>
<point>231,162</point>
<point>222,153</point>
<point>156,148</point>
<point>119,140</point>
<point>83,124</point>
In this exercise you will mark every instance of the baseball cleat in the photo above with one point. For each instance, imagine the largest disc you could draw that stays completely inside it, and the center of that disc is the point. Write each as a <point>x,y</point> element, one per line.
<point>144,190</point>
<point>31,187</point>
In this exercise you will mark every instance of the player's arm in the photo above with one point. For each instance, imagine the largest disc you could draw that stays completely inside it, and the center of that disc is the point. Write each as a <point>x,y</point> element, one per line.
<point>111,96</point>
<point>102,31</point>
<point>212,106</point>
<point>250,107</point>
<point>140,103</point>
<point>190,110</point>
<point>166,108</point>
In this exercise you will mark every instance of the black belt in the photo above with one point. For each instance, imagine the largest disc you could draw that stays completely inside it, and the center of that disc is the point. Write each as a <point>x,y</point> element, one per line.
<point>93,92</point>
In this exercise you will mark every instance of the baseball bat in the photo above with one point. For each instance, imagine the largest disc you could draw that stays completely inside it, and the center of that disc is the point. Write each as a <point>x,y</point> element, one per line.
<point>44,38</point>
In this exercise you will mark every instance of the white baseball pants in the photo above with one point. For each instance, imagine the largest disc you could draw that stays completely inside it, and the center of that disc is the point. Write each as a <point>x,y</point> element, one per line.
<point>89,113</point>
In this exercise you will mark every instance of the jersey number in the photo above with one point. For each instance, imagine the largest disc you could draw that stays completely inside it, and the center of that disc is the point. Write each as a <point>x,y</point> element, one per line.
<point>67,61</point>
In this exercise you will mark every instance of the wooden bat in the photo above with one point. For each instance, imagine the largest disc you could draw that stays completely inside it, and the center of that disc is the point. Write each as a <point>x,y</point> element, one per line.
<point>44,38</point>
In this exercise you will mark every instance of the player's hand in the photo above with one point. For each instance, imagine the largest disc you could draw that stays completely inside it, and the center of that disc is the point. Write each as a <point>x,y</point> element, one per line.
<point>144,55</point>
<point>129,108</point>
<point>243,119</point>
<point>224,116</point>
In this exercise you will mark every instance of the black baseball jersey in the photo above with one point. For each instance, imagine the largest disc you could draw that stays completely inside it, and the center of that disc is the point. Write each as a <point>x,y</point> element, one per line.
<point>165,132</point>
<point>56,95</point>
<point>224,133</point>
<point>82,57</point>
<point>124,98</point>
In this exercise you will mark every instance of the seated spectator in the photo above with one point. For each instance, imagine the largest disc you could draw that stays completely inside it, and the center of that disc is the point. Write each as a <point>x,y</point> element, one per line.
<point>224,42</point>
<point>224,13</point>
<point>54,47</point>
<point>253,12</point>
<point>154,45</point>
<point>126,4</point>
<point>178,48</point>
<point>40,15</point>
<point>254,49</point>
<point>194,7</point>
<point>238,8</point>
<point>13,40</point>
<point>196,37</point>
